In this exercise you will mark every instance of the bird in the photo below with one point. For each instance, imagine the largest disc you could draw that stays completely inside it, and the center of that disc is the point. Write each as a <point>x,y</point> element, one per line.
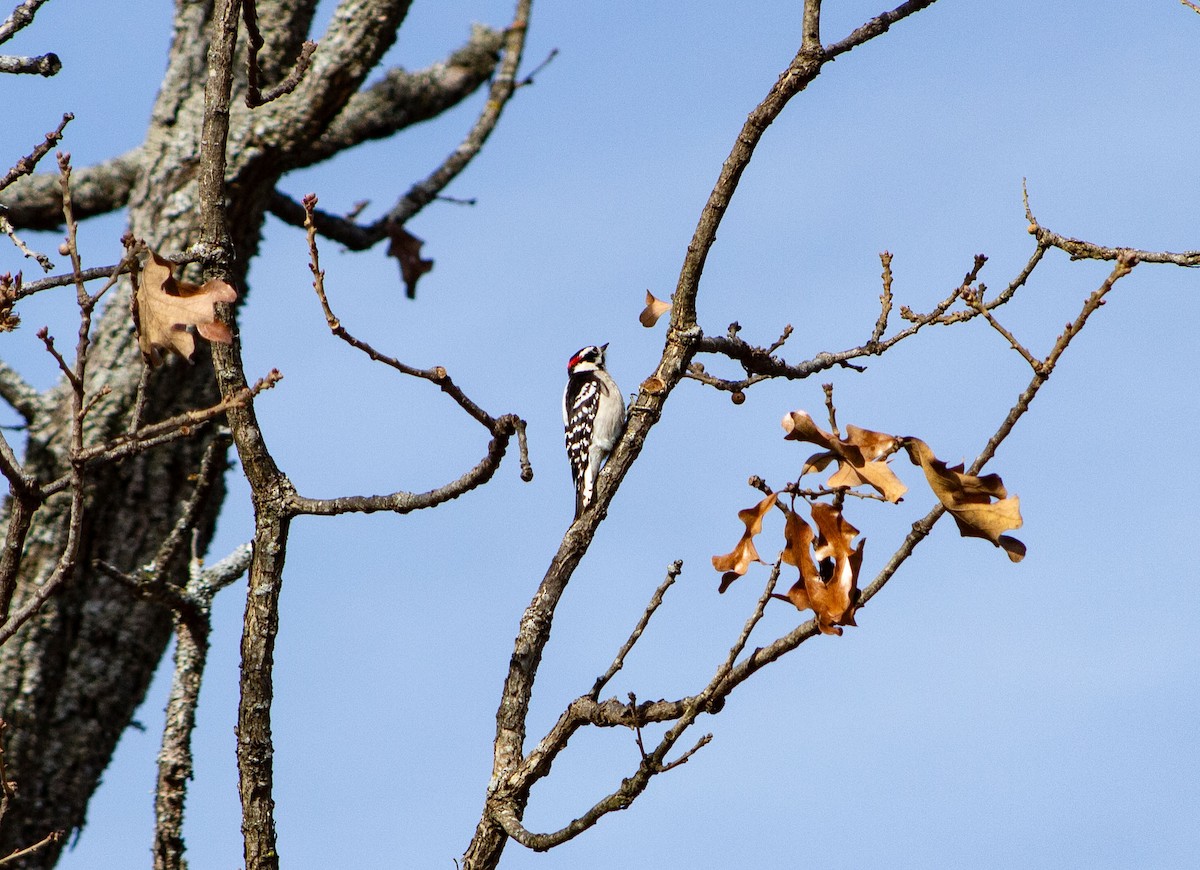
<point>593,417</point>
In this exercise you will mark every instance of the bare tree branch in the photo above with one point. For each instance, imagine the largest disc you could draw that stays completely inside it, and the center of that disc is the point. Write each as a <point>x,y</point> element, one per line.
<point>23,398</point>
<point>19,18</point>
<point>26,165</point>
<point>1081,250</point>
<point>35,202</point>
<point>254,95</point>
<point>360,237</point>
<point>401,98</point>
<point>52,837</point>
<point>655,602</point>
<point>42,65</point>
<point>682,337</point>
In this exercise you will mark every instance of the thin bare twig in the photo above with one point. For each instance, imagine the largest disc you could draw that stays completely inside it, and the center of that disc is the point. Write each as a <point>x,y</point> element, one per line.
<point>62,569</point>
<point>975,300</point>
<point>655,601</point>
<point>502,428</point>
<point>254,96</point>
<point>9,230</point>
<point>180,426</point>
<point>52,837</point>
<point>885,299</point>
<point>27,164</point>
<point>1081,250</point>
<point>1042,372</point>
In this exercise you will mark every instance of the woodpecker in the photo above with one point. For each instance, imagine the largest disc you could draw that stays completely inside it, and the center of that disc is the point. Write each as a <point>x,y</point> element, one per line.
<point>593,416</point>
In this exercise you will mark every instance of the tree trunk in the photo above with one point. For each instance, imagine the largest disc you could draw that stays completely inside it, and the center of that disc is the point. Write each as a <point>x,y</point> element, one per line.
<point>72,678</point>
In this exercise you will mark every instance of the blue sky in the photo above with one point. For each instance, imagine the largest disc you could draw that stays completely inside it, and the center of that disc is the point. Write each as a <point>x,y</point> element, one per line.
<point>983,714</point>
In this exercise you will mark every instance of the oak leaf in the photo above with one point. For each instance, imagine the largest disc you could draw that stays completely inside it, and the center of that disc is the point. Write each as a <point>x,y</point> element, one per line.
<point>655,308</point>
<point>861,455</point>
<point>968,498</point>
<point>164,308</point>
<point>735,563</point>
<point>406,248</point>
<point>829,566</point>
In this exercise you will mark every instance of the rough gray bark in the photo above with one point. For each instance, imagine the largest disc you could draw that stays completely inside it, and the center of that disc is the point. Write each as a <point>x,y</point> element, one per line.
<point>72,678</point>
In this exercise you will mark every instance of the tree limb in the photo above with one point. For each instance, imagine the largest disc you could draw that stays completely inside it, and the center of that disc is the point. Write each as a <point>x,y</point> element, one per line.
<point>402,98</point>
<point>1081,250</point>
<point>359,237</point>
<point>23,398</point>
<point>35,202</point>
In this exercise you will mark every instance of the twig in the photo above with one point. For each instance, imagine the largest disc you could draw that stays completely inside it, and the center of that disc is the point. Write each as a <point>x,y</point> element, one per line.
<point>437,374</point>
<point>502,428</point>
<point>9,230</point>
<point>8,790</point>
<point>48,341</point>
<point>179,426</point>
<point>523,449</point>
<point>761,364</point>
<point>62,569</point>
<point>30,287</point>
<point>52,837</point>
<point>654,762</point>
<point>1042,372</point>
<point>211,467</point>
<point>532,74</point>
<point>42,65</point>
<point>885,299</point>
<point>1081,250</point>
<point>975,300</point>
<point>830,409</point>
<point>139,402</point>
<point>406,502</point>
<point>254,97</point>
<point>20,18</point>
<point>655,600</point>
<point>27,164</point>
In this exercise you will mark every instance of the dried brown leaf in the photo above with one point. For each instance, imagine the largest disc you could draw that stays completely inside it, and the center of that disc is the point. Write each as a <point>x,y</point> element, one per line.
<point>832,593</point>
<point>860,455</point>
<point>406,248</point>
<point>735,563</point>
<point>968,498</point>
<point>655,308</point>
<point>164,308</point>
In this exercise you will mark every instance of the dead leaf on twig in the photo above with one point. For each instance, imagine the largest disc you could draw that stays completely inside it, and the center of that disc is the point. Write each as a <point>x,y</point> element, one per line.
<point>164,308</point>
<point>969,499</point>
<point>655,308</point>
<point>829,565</point>
<point>735,563</point>
<point>861,455</point>
<point>406,248</point>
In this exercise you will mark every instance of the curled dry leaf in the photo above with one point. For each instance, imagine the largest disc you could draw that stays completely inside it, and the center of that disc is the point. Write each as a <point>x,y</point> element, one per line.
<point>164,308</point>
<point>829,566</point>
<point>969,499</point>
<point>406,248</point>
<point>655,308</point>
<point>861,455</point>
<point>734,564</point>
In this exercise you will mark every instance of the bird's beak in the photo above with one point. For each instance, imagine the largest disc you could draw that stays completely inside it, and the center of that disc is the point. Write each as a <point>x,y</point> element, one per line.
<point>604,346</point>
